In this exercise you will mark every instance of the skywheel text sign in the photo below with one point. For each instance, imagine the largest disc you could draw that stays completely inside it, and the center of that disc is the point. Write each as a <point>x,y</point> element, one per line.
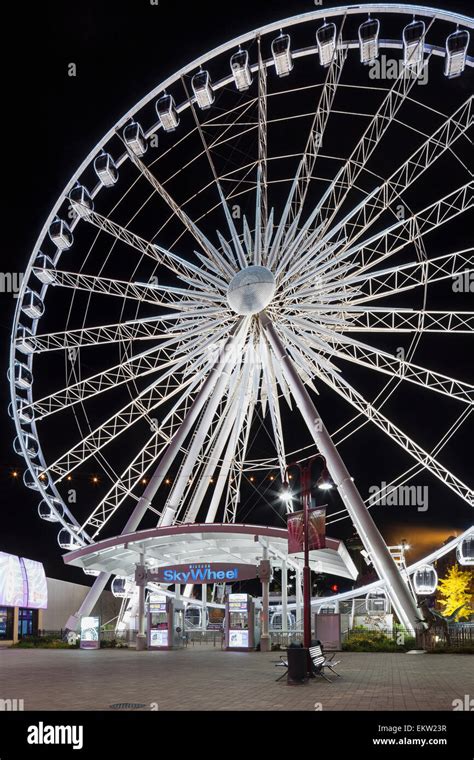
<point>207,572</point>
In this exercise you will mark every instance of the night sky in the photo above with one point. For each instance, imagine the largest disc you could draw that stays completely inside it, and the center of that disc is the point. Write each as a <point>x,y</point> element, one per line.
<point>51,121</point>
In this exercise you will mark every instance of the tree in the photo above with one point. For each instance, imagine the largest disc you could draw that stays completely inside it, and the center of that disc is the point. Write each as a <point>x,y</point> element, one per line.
<point>455,590</point>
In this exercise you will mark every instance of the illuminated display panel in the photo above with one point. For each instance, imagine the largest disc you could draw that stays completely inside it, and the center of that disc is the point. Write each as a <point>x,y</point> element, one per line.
<point>13,590</point>
<point>37,586</point>
<point>159,638</point>
<point>90,633</point>
<point>238,602</point>
<point>239,639</point>
<point>22,582</point>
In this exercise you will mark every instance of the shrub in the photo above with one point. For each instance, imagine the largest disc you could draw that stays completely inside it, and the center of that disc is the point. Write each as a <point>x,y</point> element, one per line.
<point>374,641</point>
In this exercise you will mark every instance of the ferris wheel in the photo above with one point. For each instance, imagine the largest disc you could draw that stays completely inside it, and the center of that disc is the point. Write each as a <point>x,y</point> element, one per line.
<point>256,231</point>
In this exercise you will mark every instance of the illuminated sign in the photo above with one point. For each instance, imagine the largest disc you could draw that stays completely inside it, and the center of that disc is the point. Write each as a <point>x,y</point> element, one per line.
<point>238,602</point>
<point>37,587</point>
<point>157,603</point>
<point>90,633</point>
<point>239,639</point>
<point>203,572</point>
<point>22,582</point>
<point>158,638</point>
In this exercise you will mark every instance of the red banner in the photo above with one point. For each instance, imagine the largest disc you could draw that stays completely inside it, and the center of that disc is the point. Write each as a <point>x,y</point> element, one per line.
<point>316,530</point>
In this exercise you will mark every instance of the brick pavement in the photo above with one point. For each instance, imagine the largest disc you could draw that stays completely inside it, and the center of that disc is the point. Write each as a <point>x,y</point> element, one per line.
<point>209,679</point>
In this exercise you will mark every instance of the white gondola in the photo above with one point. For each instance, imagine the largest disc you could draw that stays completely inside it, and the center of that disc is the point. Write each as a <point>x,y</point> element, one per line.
<point>44,269</point>
<point>32,304</point>
<point>81,201</point>
<point>106,169</point>
<point>134,138</point>
<point>276,621</point>
<point>376,602</point>
<point>23,341</point>
<point>425,580</point>
<point>30,442</point>
<point>24,414</point>
<point>465,550</point>
<point>167,113</point>
<point>413,43</point>
<point>456,53</point>
<point>202,88</point>
<point>60,234</point>
<point>281,51</point>
<point>31,476</point>
<point>51,512</point>
<point>121,587</point>
<point>23,376</point>
<point>326,41</point>
<point>369,40</point>
<point>240,67</point>
<point>67,540</point>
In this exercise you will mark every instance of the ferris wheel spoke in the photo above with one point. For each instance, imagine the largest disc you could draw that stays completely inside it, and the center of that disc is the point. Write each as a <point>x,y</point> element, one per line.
<point>154,448</point>
<point>147,402</point>
<point>368,356</point>
<point>357,221</point>
<point>353,397</point>
<point>261,215</point>
<point>140,365</point>
<point>237,404</point>
<point>149,328</point>
<point>304,172</point>
<point>154,251</point>
<point>185,372</point>
<point>273,404</point>
<point>379,319</point>
<point>135,291</point>
<point>210,456</point>
<point>384,244</point>
<point>232,468</point>
<point>394,280</point>
<point>333,198</point>
<point>205,244</point>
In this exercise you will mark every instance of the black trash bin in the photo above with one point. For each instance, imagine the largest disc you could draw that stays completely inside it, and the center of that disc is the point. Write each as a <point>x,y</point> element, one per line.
<point>297,665</point>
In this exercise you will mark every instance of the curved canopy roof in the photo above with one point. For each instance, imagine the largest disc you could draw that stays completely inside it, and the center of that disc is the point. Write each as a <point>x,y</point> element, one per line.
<point>208,542</point>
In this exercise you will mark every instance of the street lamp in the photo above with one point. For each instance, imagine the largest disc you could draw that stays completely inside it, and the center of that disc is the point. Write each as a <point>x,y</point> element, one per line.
<point>324,483</point>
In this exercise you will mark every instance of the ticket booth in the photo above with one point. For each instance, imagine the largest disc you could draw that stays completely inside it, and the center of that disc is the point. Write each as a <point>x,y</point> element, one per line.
<point>241,625</point>
<point>165,622</point>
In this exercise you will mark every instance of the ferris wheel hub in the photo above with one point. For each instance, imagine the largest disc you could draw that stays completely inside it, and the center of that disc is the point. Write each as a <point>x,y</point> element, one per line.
<point>251,290</point>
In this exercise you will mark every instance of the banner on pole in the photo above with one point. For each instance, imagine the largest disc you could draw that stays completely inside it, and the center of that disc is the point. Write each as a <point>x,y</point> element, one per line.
<point>316,530</point>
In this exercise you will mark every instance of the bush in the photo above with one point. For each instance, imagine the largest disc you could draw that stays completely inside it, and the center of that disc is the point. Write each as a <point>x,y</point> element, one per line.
<point>373,641</point>
<point>42,642</point>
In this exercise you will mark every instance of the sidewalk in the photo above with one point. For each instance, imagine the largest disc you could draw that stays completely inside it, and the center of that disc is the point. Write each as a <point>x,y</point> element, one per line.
<point>209,679</point>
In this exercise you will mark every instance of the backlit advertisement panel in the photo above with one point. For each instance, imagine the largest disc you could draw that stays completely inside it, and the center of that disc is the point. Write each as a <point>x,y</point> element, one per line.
<point>13,591</point>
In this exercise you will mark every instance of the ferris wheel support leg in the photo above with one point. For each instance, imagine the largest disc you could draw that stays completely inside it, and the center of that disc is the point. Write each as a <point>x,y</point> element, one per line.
<point>373,541</point>
<point>174,447</point>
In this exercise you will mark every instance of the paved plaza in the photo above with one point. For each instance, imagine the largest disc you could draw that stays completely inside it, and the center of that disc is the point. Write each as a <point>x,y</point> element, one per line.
<point>204,678</point>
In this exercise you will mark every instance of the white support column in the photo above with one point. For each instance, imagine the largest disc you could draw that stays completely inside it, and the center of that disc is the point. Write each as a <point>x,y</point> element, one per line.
<point>284,597</point>
<point>155,481</point>
<point>386,568</point>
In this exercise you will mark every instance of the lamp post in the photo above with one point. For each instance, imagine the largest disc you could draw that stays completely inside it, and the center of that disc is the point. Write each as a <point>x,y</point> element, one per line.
<point>305,500</point>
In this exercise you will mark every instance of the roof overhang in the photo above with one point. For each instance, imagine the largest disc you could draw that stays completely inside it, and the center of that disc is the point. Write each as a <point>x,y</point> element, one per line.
<point>208,542</point>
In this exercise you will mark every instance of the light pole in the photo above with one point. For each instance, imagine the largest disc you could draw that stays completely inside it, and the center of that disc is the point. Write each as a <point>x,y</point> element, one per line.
<point>305,500</point>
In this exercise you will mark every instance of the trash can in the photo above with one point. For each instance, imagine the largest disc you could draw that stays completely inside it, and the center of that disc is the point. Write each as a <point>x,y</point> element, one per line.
<point>297,665</point>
